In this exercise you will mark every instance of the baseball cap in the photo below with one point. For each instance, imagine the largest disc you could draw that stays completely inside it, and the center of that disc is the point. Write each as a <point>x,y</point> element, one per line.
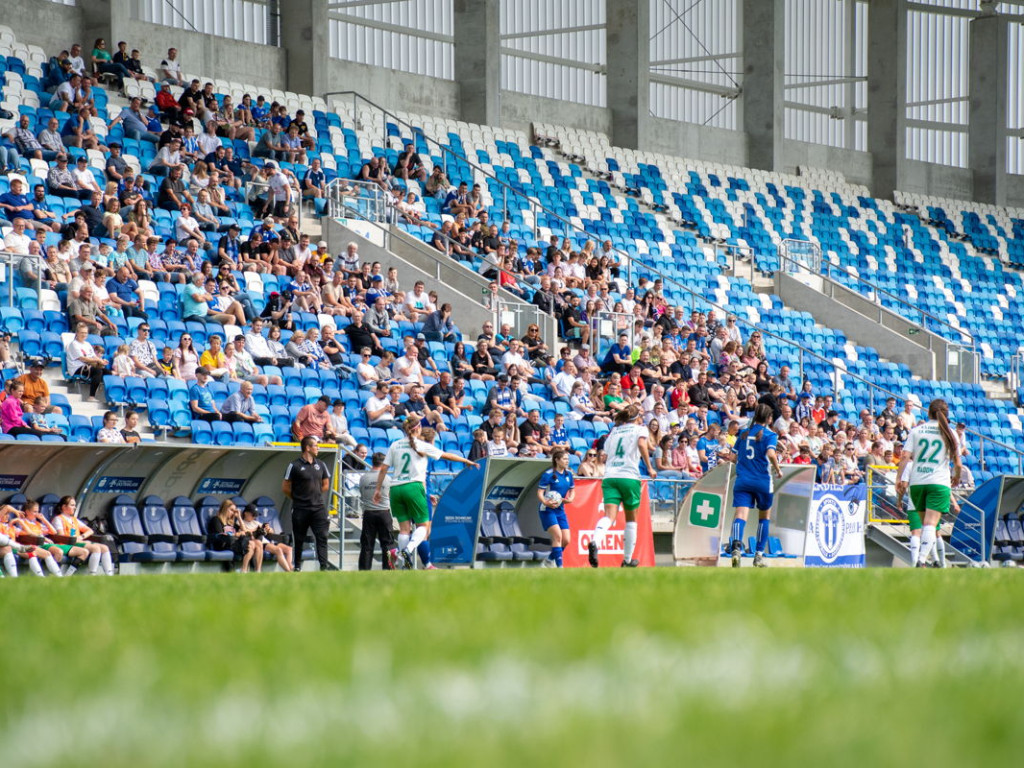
<point>377,279</point>
<point>420,337</point>
<point>35,362</point>
<point>322,244</point>
<point>233,225</point>
<point>270,164</point>
<point>806,395</point>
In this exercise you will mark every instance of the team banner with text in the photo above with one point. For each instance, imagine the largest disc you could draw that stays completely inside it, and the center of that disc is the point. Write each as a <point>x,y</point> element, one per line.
<point>835,527</point>
<point>584,512</point>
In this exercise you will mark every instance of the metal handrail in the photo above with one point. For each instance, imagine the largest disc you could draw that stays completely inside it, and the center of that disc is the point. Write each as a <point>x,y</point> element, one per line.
<point>828,267</point>
<point>628,260</point>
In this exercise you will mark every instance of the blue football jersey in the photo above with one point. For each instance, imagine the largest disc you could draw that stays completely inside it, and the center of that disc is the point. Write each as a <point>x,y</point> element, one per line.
<point>563,482</point>
<point>752,454</point>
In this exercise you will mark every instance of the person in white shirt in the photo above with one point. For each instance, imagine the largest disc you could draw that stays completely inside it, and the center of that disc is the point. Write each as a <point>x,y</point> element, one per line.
<point>167,158</point>
<point>418,302</point>
<point>380,411</point>
<point>564,382</point>
<point>76,60</point>
<point>280,199</point>
<point>16,241</point>
<point>408,369</point>
<point>339,424</point>
<point>83,176</point>
<point>348,262</point>
<point>515,357</point>
<point>366,372</point>
<point>187,226</point>
<point>628,301</point>
<point>171,68</point>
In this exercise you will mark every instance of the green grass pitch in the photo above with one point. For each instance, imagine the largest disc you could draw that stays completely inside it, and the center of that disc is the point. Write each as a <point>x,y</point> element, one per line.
<point>516,668</point>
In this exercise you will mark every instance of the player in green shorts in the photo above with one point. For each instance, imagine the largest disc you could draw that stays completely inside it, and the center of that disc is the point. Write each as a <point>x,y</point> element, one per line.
<point>924,468</point>
<point>915,524</point>
<point>625,445</point>
<point>407,458</point>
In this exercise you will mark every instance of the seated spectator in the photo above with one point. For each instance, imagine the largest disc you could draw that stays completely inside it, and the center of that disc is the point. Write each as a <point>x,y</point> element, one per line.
<point>269,145</point>
<point>109,432</point>
<point>77,131</point>
<point>314,182</point>
<point>380,411</point>
<point>265,539</point>
<point>12,412</point>
<point>225,533</point>
<point>200,399</point>
<point>258,346</point>
<point>196,305</point>
<point>35,388</point>
<point>339,424</point>
<point>375,171</point>
<point>85,311</point>
<point>313,420</point>
<point>125,294</point>
<point>25,143</point>
<point>245,368</point>
<point>215,361</point>
<point>172,194</point>
<point>240,406</point>
<point>438,325</point>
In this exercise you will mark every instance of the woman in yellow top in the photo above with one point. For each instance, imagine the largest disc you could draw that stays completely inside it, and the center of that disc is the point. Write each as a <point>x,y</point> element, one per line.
<point>215,360</point>
<point>67,524</point>
<point>9,547</point>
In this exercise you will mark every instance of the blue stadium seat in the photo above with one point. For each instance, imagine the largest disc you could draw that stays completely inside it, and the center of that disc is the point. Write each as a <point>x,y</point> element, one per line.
<point>132,543</point>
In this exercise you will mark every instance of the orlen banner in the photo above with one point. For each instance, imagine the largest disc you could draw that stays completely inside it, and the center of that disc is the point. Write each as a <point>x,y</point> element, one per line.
<point>584,512</point>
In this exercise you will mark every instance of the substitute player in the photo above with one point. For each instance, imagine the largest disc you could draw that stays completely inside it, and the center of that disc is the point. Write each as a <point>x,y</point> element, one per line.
<point>929,449</point>
<point>9,547</point>
<point>552,516</point>
<point>67,524</point>
<point>408,458</point>
<point>625,445</point>
<point>754,451</point>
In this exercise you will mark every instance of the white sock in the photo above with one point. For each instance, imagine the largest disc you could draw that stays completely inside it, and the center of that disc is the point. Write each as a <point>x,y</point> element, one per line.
<point>33,565</point>
<point>940,550</point>
<point>11,565</point>
<point>69,567</point>
<point>602,525</point>
<point>418,535</point>
<point>927,543</point>
<point>629,541</point>
<point>94,563</point>
<point>915,549</point>
<point>106,563</point>
<point>51,565</point>
<point>403,540</point>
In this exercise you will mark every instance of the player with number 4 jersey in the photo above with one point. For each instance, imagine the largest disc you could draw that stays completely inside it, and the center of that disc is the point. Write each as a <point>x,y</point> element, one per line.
<point>625,445</point>
<point>929,448</point>
<point>755,451</point>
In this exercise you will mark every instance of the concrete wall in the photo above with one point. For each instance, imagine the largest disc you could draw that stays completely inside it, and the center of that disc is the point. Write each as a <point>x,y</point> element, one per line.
<point>856,166</point>
<point>696,141</point>
<point>518,110</point>
<point>394,90</point>
<point>52,27</point>
<point>862,321</point>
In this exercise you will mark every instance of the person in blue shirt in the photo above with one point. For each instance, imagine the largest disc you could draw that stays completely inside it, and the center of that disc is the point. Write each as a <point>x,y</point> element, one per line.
<point>552,516</point>
<point>754,451</point>
<point>314,182</point>
<point>200,399</point>
<point>707,448</point>
<point>559,434</point>
<point>619,358</point>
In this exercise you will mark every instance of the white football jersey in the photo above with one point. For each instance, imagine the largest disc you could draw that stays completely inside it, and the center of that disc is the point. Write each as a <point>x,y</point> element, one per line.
<point>930,458</point>
<point>407,465</point>
<point>623,448</point>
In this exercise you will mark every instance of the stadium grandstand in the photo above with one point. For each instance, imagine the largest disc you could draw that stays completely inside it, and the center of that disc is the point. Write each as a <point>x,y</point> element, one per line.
<point>234,224</point>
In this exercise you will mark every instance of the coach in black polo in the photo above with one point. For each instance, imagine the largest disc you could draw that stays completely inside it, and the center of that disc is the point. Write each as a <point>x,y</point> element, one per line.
<point>305,482</point>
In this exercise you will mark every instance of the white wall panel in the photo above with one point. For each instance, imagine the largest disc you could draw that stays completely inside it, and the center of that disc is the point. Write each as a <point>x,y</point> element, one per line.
<point>391,49</point>
<point>698,42</point>
<point>1015,100</point>
<point>564,79</point>
<point>244,20</point>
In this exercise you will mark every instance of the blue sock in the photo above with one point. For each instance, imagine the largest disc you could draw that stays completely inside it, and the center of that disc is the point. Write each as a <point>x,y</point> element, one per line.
<point>737,530</point>
<point>762,534</point>
<point>556,555</point>
<point>424,552</point>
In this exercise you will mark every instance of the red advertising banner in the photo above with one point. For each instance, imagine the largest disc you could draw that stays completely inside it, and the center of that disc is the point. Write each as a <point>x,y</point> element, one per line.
<point>583,515</point>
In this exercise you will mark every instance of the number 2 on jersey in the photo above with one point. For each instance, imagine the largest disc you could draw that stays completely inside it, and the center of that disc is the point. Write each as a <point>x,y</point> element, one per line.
<point>923,456</point>
<point>405,464</point>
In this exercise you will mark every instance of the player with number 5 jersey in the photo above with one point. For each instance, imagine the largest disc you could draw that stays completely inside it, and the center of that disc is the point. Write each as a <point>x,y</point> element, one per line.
<point>755,451</point>
<point>407,458</point>
<point>929,449</point>
<point>625,445</point>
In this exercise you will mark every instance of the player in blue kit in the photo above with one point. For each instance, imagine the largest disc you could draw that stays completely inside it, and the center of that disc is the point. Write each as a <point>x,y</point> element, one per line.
<point>552,515</point>
<point>755,450</point>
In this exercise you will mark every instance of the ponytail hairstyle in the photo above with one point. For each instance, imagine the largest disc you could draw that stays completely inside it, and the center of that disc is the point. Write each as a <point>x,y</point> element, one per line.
<point>61,505</point>
<point>763,416</point>
<point>938,410</point>
<point>409,426</point>
<point>626,415</point>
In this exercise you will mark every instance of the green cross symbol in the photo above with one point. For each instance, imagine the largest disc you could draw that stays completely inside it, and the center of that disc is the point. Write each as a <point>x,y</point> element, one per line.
<point>705,510</point>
